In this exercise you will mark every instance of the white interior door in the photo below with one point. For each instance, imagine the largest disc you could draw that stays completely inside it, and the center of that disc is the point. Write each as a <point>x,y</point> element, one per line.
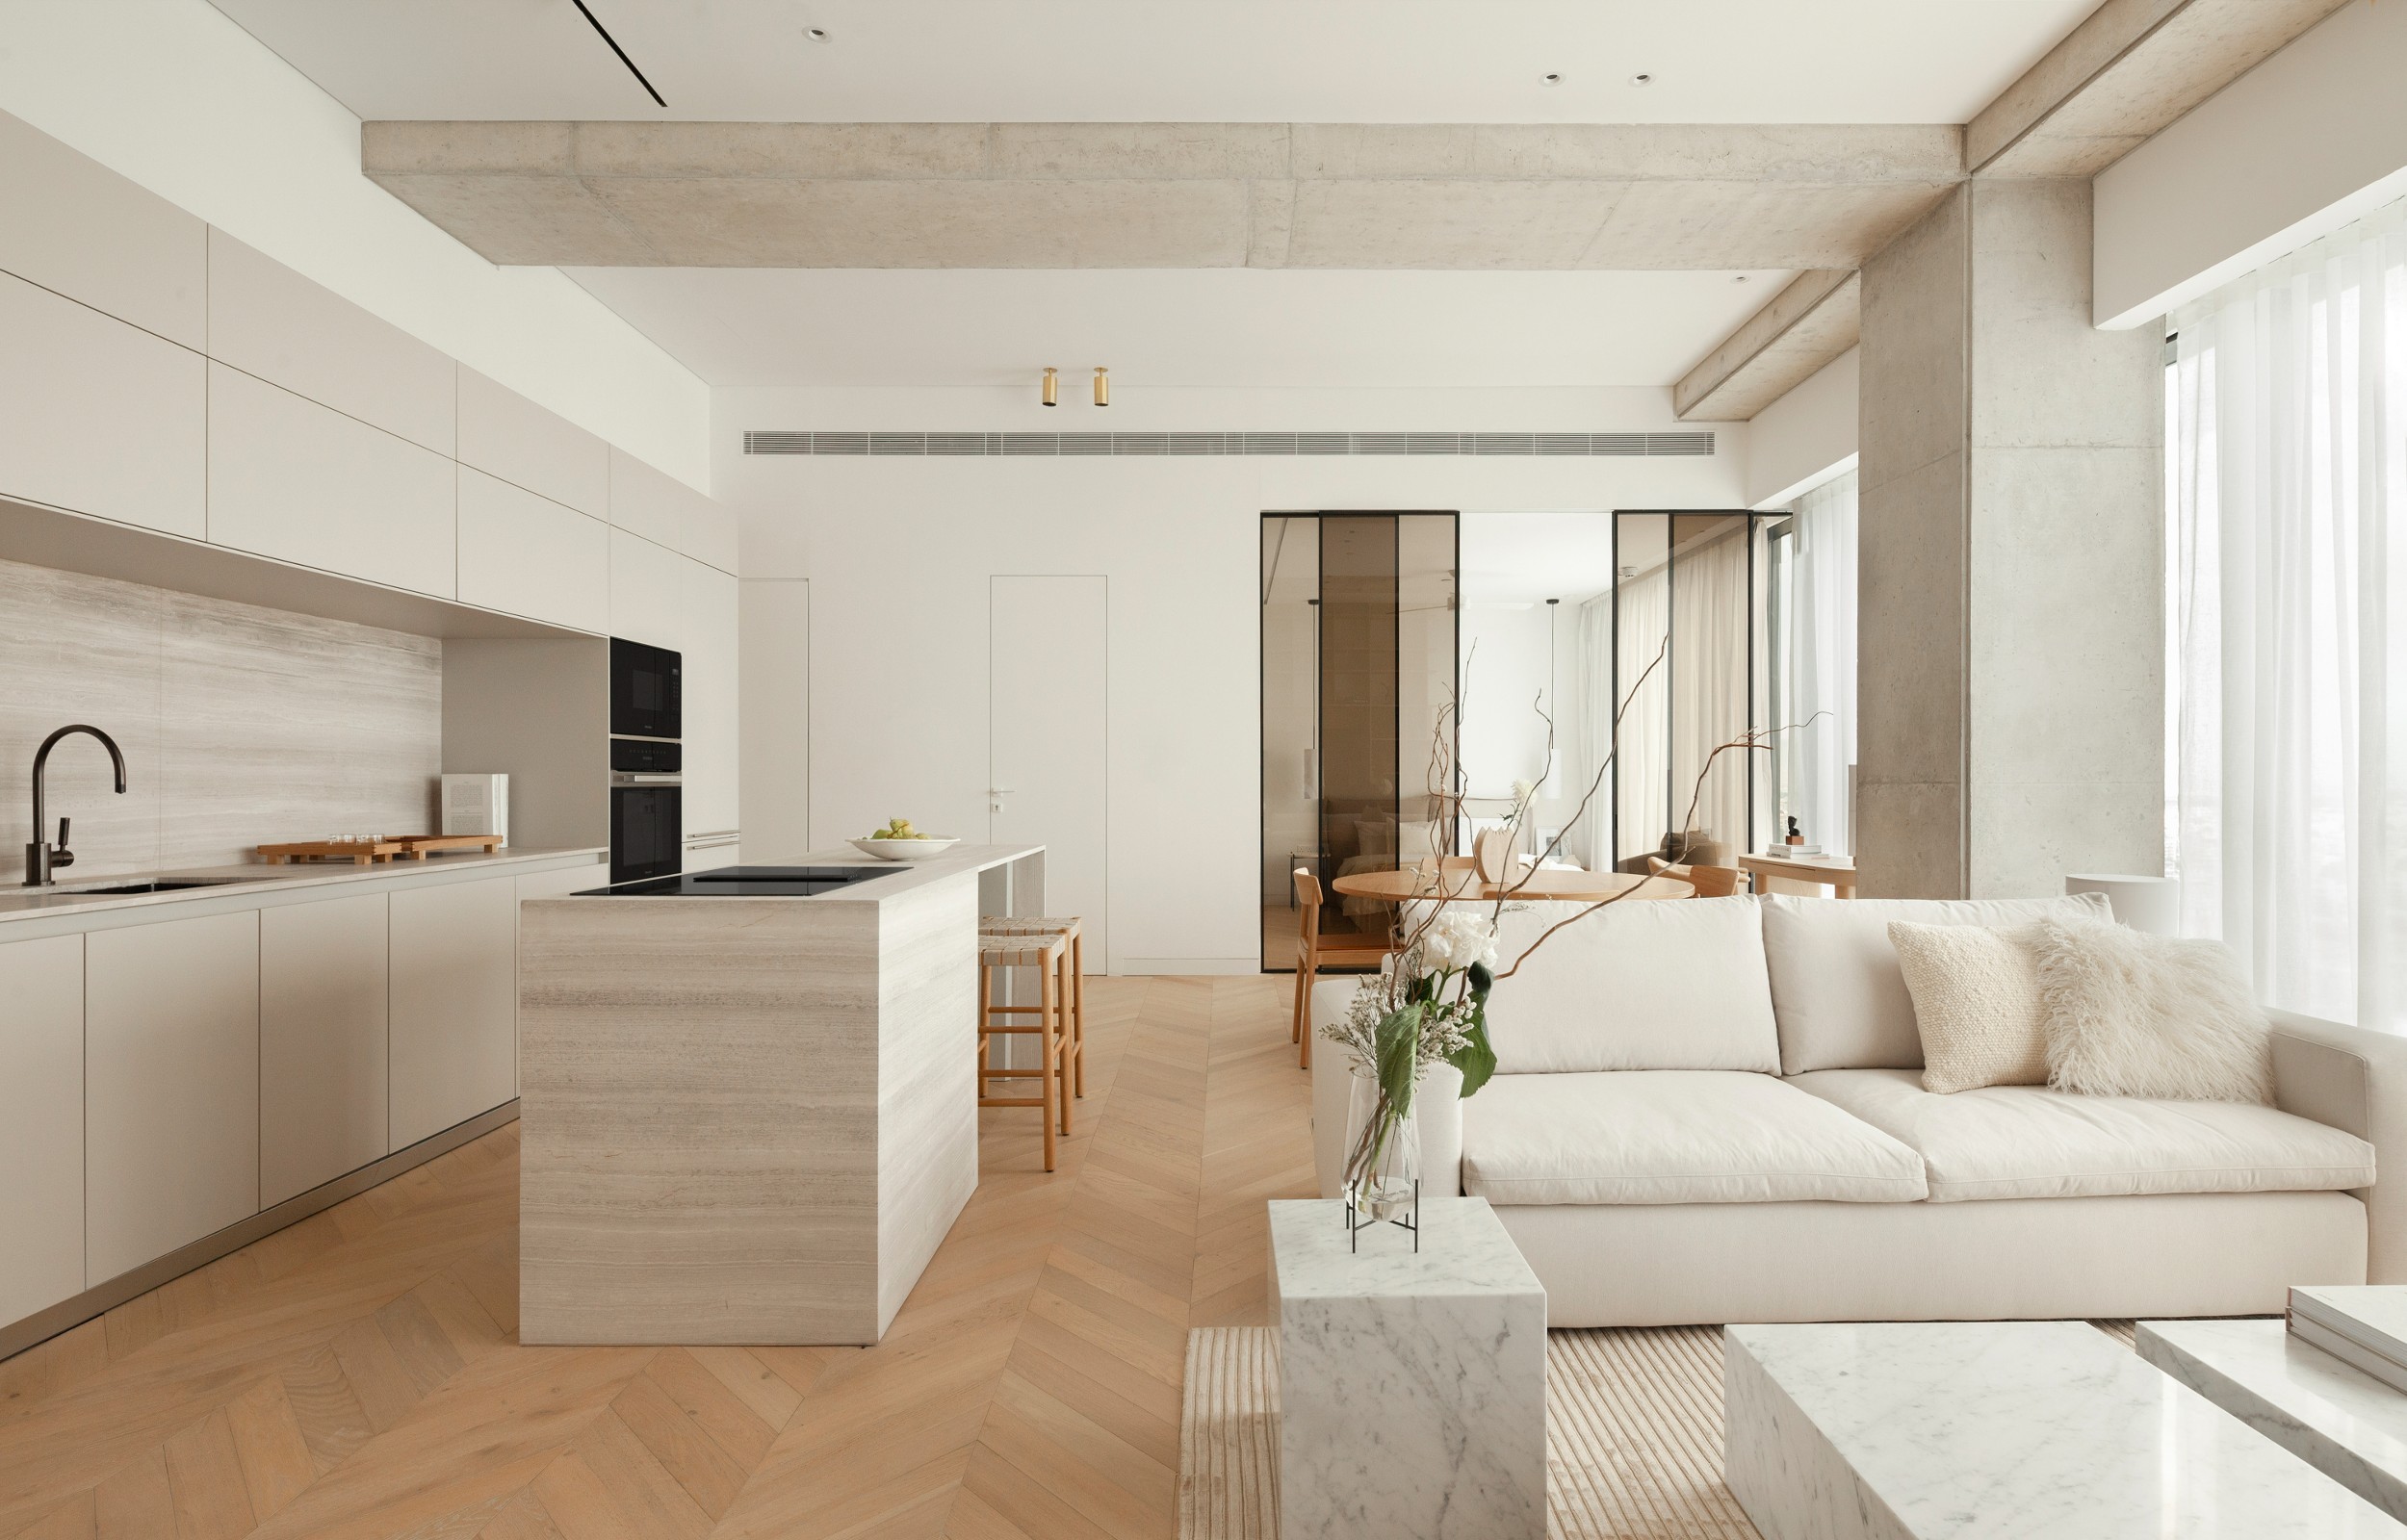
<point>1045,687</point>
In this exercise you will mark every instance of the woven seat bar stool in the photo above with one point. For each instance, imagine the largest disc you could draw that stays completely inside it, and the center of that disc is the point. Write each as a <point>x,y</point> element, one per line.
<point>1047,954</point>
<point>1073,977</point>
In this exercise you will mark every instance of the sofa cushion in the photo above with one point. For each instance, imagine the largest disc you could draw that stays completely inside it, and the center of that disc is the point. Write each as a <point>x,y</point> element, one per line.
<point>2031,1142</point>
<point>1836,986</point>
<point>1673,1136</point>
<point>1642,984</point>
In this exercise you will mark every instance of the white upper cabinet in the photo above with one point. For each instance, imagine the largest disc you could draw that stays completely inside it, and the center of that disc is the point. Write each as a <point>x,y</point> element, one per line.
<point>527,555</point>
<point>711,535</point>
<point>506,436</point>
<point>711,639</point>
<point>77,227</point>
<point>269,320</point>
<point>668,513</point>
<point>303,483</point>
<point>647,592</point>
<point>99,415</point>
<point>648,503</point>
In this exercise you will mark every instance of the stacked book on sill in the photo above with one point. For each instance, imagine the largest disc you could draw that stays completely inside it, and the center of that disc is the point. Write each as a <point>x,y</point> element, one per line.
<point>2364,1326</point>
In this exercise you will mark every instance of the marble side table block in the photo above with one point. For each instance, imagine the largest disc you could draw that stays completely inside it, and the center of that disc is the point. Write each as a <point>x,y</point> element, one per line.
<point>1964,1429</point>
<point>1412,1387</point>
<point>2342,1422</point>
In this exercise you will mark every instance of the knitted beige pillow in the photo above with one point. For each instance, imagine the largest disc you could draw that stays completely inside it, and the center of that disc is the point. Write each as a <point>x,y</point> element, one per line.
<point>1977,1004</point>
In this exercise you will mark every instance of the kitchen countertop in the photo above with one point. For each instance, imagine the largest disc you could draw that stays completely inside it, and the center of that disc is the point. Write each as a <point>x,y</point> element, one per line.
<point>234,881</point>
<point>896,877</point>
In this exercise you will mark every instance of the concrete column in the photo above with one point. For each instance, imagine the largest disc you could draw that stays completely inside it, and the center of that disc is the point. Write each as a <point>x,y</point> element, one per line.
<point>2012,643</point>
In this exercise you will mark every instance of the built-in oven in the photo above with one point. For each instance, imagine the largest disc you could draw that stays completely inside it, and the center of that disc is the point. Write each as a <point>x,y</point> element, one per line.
<point>646,691</point>
<point>647,809</point>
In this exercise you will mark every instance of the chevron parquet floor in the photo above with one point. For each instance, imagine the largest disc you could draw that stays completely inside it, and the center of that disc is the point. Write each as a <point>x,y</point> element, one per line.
<point>359,1374</point>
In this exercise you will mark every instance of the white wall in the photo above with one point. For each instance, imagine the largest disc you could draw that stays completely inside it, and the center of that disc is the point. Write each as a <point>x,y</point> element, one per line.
<point>175,97</point>
<point>2309,139</point>
<point>898,552</point>
<point>1509,670</point>
<point>1805,437</point>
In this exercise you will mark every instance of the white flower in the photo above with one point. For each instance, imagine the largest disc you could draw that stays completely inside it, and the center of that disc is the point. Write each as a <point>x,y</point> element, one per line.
<point>1456,940</point>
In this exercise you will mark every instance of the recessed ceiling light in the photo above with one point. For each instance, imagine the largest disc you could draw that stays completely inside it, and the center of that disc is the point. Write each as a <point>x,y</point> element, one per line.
<point>1550,79</point>
<point>815,34</point>
<point>1739,277</point>
<point>1641,80</point>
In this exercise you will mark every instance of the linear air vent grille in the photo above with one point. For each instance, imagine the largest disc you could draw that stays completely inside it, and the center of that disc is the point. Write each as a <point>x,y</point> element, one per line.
<point>780,441</point>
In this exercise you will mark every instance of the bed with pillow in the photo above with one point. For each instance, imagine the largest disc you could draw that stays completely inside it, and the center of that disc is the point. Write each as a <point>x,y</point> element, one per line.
<point>1729,1110</point>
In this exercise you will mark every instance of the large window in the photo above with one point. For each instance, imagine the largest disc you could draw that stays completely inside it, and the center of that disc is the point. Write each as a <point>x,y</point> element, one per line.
<point>2288,646</point>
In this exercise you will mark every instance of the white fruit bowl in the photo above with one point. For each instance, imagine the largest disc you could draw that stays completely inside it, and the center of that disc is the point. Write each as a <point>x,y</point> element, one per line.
<point>905,849</point>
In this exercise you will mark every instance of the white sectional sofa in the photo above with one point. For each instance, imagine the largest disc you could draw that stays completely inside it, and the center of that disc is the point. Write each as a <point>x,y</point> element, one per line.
<point>1711,1110</point>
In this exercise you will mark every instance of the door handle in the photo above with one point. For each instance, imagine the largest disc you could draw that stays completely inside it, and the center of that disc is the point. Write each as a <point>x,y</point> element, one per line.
<point>994,796</point>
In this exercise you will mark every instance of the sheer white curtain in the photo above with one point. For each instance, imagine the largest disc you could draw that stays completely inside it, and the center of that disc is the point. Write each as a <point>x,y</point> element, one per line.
<point>1643,764</point>
<point>1709,664</point>
<point>1592,703</point>
<point>1821,664</point>
<point>2288,483</point>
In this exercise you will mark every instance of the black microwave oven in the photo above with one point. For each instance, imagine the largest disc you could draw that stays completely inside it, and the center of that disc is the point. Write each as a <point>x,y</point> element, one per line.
<point>645,690</point>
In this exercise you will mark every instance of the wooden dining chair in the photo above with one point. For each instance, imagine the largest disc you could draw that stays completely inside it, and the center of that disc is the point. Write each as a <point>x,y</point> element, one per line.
<point>1710,882</point>
<point>1314,951</point>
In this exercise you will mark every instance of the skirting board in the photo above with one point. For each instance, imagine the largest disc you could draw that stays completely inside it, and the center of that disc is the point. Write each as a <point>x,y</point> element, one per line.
<point>73,1311</point>
<point>1186,964</point>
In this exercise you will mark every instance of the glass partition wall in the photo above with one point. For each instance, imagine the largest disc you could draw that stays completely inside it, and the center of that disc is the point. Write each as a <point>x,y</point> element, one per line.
<point>1690,684</point>
<point>1359,637</point>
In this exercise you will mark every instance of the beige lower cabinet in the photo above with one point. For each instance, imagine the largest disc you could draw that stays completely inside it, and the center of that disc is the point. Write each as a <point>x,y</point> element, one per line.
<point>170,1086</point>
<point>453,997</point>
<point>41,1123</point>
<point>321,1042</point>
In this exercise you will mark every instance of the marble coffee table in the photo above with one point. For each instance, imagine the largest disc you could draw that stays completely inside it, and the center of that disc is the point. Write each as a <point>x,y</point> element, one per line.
<point>1957,1430</point>
<point>1412,1387</point>
<point>2345,1424</point>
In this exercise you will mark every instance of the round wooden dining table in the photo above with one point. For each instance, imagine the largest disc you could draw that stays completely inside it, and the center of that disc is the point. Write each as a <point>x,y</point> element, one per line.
<point>1548,884</point>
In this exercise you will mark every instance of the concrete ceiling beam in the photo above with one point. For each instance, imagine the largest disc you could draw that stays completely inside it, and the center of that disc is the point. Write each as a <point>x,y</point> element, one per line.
<point>1167,194</point>
<point>1813,320</point>
<point>2129,69</point>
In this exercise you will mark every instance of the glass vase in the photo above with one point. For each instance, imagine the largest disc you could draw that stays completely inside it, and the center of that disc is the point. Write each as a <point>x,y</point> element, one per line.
<point>1382,1157</point>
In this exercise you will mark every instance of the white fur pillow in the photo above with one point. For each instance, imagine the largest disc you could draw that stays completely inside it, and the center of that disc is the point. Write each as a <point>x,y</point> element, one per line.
<point>1976,992</point>
<point>2135,1014</point>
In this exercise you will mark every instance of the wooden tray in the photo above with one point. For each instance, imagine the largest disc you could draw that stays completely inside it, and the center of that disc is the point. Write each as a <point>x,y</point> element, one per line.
<point>357,852</point>
<point>418,847</point>
<point>394,847</point>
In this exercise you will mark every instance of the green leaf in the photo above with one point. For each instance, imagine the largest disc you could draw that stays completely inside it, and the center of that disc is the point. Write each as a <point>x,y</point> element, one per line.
<point>1476,1059</point>
<point>1483,978</point>
<point>1399,1043</point>
<point>1424,988</point>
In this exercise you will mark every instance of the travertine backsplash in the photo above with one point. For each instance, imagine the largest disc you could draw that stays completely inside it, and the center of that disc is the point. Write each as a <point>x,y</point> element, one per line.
<point>240,724</point>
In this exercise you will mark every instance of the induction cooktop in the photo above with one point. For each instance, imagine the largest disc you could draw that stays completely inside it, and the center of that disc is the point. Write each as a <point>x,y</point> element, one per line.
<point>746,882</point>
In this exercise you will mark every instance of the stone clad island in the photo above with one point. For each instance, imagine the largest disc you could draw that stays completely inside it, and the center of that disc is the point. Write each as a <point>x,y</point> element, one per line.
<point>748,1099</point>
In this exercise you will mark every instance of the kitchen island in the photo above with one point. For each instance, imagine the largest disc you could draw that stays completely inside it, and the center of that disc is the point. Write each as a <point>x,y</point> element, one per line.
<point>749,1114</point>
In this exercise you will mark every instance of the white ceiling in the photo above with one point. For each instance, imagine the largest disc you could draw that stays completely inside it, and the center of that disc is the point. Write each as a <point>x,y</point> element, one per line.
<point>1157,60</point>
<point>1228,327</point>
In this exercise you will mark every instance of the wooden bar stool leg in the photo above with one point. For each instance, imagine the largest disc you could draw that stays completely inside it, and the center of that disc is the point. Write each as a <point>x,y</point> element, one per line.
<point>1077,1014</point>
<point>986,1018</point>
<point>1049,1066</point>
<point>1069,1038</point>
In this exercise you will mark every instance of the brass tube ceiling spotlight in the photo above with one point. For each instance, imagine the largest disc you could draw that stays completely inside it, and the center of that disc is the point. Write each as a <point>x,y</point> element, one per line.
<point>1051,393</point>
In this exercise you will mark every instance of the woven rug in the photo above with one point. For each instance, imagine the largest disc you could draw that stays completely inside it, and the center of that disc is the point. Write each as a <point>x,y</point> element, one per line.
<point>1633,1436</point>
